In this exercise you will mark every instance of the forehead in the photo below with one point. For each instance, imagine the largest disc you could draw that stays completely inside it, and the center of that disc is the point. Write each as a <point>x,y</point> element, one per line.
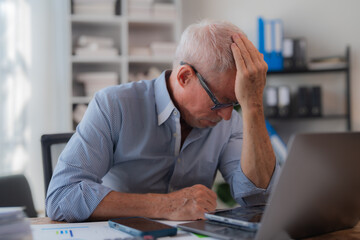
<point>222,85</point>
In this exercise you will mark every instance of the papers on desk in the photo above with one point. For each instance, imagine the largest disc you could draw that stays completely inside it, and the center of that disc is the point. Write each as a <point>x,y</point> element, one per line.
<point>78,231</point>
<point>13,224</point>
<point>93,231</point>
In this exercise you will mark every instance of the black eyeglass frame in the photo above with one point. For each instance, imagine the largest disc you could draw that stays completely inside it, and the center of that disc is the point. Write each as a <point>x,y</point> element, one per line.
<point>202,81</point>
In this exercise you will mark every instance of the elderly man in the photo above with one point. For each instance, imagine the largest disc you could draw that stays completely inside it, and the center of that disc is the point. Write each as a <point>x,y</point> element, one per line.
<point>153,148</point>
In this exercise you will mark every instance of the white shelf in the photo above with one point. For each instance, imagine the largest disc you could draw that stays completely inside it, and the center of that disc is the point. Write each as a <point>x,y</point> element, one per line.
<point>96,19</point>
<point>127,31</point>
<point>150,59</point>
<point>150,21</point>
<point>97,59</point>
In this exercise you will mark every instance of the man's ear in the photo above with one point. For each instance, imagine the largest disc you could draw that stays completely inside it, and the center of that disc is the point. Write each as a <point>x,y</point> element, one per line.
<point>185,74</point>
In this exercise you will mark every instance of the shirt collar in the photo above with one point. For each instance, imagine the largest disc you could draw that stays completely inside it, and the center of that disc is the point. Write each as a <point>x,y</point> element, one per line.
<point>164,104</point>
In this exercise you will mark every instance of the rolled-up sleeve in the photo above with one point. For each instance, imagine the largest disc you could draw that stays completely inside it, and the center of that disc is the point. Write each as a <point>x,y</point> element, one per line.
<point>75,189</point>
<point>242,189</point>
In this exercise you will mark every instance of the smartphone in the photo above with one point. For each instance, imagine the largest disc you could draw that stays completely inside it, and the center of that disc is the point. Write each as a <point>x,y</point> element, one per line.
<point>141,226</point>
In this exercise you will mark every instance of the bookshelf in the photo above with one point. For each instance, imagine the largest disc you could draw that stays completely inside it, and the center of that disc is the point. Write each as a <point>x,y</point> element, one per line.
<point>324,77</point>
<point>139,30</point>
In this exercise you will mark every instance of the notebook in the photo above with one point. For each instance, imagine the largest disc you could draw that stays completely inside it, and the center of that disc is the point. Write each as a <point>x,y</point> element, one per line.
<point>318,191</point>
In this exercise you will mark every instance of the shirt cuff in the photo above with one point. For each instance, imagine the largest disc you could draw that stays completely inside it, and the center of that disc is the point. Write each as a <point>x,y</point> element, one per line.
<point>247,194</point>
<point>82,201</point>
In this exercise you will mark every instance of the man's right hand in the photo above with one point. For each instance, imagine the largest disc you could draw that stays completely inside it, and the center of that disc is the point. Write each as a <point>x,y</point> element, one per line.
<point>189,203</point>
<point>186,204</point>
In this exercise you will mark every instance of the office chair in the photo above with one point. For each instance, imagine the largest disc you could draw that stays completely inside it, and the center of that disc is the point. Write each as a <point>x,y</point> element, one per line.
<point>51,147</point>
<point>15,192</point>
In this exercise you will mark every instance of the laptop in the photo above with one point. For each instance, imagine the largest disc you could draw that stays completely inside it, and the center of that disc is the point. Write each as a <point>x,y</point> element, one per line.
<point>318,191</point>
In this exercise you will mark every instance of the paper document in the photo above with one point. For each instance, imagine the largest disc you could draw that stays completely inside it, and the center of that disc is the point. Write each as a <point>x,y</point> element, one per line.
<point>78,231</point>
<point>13,224</point>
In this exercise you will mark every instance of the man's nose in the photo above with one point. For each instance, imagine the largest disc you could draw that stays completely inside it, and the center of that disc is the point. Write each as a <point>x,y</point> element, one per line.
<point>225,113</point>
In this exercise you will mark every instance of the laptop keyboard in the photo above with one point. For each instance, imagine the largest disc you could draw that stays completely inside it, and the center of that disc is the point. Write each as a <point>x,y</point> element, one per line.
<point>251,214</point>
<point>229,230</point>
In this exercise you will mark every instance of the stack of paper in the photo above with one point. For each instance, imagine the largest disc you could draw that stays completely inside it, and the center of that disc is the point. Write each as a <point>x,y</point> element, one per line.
<point>164,10</point>
<point>94,81</point>
<point>95,46</point>
<point>164,49</point>
<point>13,224</point>
<point>152,73</point>
<point>156,49</point>
<point>151,9</point>
<point>140,8</point>
<point>327,63</point>
<point>94,7</point>
<point>140,51</point>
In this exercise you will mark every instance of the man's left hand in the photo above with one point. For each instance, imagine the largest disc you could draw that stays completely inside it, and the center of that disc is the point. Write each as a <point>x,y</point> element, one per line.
<point>250,72</point>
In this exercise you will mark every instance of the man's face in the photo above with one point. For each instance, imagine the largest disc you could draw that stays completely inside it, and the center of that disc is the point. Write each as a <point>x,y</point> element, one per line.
<point>197,104</point>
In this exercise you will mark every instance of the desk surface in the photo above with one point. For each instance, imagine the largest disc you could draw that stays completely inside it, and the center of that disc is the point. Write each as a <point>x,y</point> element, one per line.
<point>353,233</point>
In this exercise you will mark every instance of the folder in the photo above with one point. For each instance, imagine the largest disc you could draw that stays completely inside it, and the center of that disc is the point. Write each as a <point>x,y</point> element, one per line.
<point>271,42</point>
<point>288,53</point>
<point>294,53</point>
<point>284,99</point>
<point>316,106</point>
<point>276,54</point>
<point>271,102</point>
<point>300,53</point>
<point>302,109</point>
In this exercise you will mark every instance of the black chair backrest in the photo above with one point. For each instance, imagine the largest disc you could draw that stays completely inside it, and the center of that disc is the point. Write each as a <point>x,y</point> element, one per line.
<point>15,192</point>
<point>47,141</point>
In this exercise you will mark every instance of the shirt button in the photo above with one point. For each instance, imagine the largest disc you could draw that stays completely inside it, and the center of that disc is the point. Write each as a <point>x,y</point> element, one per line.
<point>175,113</point>
<point>179,160</point>
<point>175,135</point>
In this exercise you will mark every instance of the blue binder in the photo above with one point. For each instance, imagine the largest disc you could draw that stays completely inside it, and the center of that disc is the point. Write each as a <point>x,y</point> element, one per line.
<point>270,42</point>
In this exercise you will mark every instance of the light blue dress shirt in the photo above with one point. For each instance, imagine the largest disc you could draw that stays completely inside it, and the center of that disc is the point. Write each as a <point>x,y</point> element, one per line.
<point>130,141</point>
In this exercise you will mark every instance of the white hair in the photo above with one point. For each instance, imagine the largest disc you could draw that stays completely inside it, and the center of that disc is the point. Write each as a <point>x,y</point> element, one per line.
<point>207,46</point>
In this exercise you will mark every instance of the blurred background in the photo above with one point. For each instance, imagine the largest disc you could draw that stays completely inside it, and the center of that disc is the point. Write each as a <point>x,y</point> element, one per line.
<point>54,54</point>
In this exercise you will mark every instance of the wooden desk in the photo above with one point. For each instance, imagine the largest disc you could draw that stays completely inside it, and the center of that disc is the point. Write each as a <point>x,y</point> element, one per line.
<point>43,220</point>
<point>348,234</point>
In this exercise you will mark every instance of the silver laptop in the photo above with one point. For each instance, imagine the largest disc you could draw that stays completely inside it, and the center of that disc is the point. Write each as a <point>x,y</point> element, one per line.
<point>318,191</point>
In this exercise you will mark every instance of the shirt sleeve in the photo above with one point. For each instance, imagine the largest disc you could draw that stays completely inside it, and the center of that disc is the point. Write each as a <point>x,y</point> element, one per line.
<point>75,189</point>
<point>242,189</point>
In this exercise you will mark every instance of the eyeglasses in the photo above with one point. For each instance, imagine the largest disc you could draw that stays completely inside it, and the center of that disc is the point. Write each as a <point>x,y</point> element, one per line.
<point>217,105</point>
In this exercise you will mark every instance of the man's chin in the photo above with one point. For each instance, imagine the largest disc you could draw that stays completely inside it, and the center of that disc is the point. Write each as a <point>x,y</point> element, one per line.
<point>208,123</point>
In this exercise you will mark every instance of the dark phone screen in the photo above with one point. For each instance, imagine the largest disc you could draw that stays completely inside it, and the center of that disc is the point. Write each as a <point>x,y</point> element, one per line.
<point>141,224</point>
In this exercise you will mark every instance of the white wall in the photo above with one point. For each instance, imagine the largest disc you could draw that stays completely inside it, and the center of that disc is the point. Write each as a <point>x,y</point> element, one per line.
<point>27,106</point>
<point>328,26</point>
<point>40,115</point>
<point>49,89</point>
